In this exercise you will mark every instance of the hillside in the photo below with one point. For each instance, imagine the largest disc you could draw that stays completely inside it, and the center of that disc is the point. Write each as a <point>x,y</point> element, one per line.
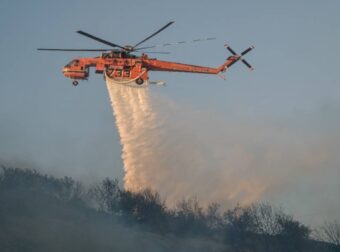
<point>43,213</point>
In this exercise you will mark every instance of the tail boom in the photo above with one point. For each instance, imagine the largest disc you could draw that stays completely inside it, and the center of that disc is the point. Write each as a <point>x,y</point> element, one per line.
<point>159,65</point>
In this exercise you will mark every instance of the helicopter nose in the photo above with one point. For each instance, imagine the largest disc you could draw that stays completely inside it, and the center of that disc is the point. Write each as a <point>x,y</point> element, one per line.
<point>66,72</point>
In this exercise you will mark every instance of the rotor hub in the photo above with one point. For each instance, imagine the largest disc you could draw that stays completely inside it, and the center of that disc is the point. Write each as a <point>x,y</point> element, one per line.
<point>128,48</point>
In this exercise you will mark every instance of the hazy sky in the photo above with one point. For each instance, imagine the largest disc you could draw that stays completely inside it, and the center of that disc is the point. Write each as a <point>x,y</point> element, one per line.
<point>294,90</point>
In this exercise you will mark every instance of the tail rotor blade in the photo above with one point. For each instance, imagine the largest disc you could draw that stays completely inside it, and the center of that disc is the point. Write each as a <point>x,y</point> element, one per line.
<point>238,57</point>
<point>247,64</point>
<point>247,50</point>
<point>230,50</point>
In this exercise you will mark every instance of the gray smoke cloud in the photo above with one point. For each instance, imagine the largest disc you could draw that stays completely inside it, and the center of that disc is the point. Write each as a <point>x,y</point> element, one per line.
<point>181,152</point>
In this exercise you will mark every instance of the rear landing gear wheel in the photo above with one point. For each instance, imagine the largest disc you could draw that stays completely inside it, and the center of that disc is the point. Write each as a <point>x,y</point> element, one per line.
<point>75,83</point>
<point>139,81</point>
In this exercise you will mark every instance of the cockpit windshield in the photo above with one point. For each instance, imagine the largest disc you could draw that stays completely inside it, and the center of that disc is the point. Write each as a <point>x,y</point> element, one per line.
<point>73,63</point>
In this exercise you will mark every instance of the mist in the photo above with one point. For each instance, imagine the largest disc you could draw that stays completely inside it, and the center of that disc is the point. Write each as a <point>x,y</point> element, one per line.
<point>174,149</point>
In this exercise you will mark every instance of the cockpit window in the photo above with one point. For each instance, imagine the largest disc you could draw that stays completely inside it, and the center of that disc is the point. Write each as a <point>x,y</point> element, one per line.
<point>73,63</point>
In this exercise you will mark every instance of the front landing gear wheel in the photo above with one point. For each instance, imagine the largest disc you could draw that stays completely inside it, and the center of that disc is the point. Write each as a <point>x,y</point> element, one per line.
<point>139,81</point>
<point>75,83</point>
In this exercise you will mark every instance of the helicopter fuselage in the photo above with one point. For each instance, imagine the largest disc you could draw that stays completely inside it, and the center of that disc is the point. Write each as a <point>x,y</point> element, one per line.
<point>128,67</point>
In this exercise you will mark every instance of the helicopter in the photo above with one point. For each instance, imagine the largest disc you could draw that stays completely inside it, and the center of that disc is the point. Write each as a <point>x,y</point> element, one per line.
<point>121,66</point>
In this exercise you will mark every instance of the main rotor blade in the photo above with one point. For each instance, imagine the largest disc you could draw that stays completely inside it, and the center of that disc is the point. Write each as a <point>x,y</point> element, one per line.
<point>73,50</point>
<point>99,39</point>
<point>175,43</point>
<point>153,34</point>
<point>158,52</point>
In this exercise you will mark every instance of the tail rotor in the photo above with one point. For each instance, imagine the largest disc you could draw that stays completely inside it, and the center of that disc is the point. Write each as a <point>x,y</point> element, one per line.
<point>239,57</point>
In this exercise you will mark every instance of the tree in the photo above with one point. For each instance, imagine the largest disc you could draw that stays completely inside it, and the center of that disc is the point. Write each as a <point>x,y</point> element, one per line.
<point>69,189</point>
<point>189,218</point>
<point>293,234</point>
<point>213,217</point>
<point>107,195</point>
<point>145,207</point>
<point>261,227</point>
<point>265,218</point>
<point>239,227</point>
<point>31,181</point>
<point>330,232</point>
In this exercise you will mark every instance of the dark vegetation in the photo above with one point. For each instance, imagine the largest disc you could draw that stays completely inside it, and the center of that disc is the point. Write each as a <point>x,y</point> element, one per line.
<point>43,213</point>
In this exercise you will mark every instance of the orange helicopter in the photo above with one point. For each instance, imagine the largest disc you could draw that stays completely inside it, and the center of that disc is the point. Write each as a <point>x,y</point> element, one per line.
<point>123,67</point>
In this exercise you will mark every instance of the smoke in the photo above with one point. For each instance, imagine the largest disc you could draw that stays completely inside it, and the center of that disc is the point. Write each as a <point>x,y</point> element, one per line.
<point>181,152</point>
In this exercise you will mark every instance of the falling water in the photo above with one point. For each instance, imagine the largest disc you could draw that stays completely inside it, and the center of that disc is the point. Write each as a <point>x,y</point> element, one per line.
<point>161,151</point>
<point>135,122</point>
<point>181,152</point>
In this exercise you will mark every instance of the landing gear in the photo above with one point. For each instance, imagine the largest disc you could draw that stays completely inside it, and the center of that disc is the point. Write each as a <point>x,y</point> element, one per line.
<point>139,81</point>
<point>75,83</point>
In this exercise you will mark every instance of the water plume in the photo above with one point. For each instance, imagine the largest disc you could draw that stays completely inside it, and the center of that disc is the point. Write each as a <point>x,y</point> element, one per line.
<point>135,121</point>
<point>182,152</point>
<point>161,151</point>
